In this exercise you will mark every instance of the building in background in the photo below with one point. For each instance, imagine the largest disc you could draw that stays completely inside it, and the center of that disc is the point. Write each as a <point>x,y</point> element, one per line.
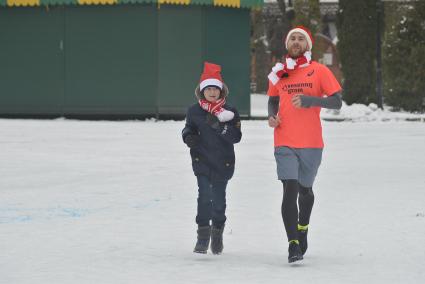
<point>123,58</point>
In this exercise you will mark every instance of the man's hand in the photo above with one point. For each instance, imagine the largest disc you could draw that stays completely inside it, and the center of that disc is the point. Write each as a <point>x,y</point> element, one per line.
<point>274,121</point>
<point>296,100</point>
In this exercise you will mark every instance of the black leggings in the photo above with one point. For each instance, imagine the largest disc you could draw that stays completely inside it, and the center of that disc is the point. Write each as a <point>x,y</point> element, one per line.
<point>290,214</point>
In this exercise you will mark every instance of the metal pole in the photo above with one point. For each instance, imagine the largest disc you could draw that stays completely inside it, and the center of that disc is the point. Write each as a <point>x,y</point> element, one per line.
<point>378,53</point>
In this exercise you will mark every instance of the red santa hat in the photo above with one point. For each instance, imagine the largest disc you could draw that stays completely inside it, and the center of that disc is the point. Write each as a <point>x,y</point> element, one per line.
<point>304,31</point>
<point>211,76</point>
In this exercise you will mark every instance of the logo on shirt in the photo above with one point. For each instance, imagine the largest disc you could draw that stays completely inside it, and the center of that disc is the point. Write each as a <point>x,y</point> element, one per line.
<point>310,73</point>
<point>297,88</point>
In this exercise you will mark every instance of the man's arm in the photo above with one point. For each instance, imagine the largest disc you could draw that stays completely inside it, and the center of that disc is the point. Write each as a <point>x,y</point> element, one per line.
<point>273,105</point>
<point>331,102</point>
<point>273,109</point>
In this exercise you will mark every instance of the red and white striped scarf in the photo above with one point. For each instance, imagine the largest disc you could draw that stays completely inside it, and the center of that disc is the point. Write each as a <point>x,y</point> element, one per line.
<point>212,107</point>
<point>280,69</point>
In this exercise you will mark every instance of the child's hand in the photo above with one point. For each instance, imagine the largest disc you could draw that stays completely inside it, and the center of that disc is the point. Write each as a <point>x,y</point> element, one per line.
<point>192,140</point>
<point>212,121</point>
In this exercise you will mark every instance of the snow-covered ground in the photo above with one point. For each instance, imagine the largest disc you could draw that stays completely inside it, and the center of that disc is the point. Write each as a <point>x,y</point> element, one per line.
<point>115,202</point>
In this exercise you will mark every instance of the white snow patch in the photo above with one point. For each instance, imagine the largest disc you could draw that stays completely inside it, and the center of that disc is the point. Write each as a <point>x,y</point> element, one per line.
<point>115,202</point>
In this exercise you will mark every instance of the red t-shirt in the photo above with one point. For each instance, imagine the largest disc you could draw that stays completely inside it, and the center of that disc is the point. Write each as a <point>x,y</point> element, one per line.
<point>301,127</point>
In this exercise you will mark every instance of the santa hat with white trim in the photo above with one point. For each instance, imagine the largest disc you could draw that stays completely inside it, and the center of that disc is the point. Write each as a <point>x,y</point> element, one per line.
<point>211,76</point>
<point>304,31</point>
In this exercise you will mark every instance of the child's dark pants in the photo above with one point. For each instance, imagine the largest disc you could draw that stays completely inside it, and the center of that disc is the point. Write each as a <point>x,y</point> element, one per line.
<point>211,202</point>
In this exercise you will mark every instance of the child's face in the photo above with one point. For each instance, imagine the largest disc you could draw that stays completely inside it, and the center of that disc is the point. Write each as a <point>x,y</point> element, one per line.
<point>212,94</point>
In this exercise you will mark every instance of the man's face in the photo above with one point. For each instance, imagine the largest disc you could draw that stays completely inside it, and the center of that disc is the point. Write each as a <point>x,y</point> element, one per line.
<point>212,94</point>
<point>297,45</point>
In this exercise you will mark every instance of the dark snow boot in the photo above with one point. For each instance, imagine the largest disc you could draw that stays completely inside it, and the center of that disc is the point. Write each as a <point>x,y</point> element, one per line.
<point>204,234</point>
<point>302,238</point>
<point>294,252</point>
<point>217,240</point>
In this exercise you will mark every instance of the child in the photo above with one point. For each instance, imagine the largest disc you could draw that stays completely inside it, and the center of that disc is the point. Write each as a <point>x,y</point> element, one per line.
<point>212,127</point>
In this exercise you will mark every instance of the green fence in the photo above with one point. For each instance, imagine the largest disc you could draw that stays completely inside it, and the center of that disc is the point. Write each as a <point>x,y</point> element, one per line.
<point>118,60</point>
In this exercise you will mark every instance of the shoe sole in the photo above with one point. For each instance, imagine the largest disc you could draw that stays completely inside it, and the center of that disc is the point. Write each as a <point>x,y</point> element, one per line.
<point>200,251</point>
<point>295,258</point>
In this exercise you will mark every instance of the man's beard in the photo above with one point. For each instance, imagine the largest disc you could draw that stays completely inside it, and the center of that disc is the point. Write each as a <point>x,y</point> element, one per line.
<point>297,53</point>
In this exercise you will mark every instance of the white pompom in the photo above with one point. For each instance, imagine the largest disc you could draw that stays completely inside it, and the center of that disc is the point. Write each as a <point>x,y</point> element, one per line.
<point>278,67</point>
<point>225,115</point>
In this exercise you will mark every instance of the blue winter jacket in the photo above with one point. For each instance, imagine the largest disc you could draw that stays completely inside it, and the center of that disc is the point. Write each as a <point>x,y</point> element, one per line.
<point>214,156</point>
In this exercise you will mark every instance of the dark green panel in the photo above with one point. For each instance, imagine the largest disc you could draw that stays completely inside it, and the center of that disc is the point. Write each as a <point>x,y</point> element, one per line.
<point>31,60</point>
<point>179,57</point>
<point>227,33</point>
<point>111,59</point>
